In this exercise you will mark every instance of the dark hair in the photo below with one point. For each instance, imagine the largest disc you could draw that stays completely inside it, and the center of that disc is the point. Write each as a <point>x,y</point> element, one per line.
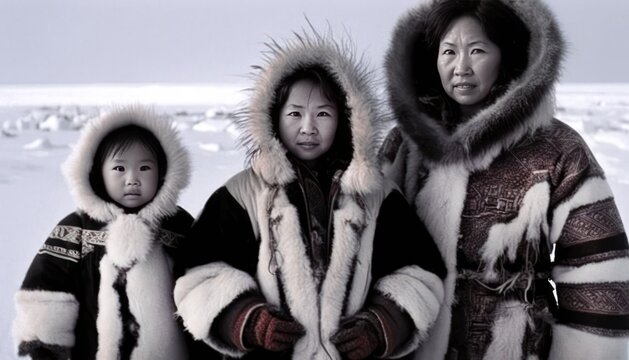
<point>342,146</point>
<point>499,22</point>
<point>118,141</point>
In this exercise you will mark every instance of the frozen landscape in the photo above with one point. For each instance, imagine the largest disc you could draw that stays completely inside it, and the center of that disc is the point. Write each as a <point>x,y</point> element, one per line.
<point>39,125</point>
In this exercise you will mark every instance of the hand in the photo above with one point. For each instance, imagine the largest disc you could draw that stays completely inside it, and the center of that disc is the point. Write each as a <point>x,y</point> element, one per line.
<point>359,336</point>
<point>271,331</point>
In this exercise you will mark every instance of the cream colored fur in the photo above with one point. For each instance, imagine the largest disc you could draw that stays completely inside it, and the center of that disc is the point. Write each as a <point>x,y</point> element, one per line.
<point>45,316</point>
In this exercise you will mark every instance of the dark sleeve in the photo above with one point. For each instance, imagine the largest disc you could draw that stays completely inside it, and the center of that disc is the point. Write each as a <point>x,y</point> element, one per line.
<point>222,232</point>
<point>46,304</point>
<point>55,265</point>
<point>401,239</point>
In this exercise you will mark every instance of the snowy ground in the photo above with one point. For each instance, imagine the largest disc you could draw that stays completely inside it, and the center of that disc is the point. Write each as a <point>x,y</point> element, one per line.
<point>39,126</point>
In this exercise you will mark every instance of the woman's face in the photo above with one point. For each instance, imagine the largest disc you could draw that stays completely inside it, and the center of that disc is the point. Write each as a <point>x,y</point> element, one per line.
<point>468,63</point>
<point>308,121</point>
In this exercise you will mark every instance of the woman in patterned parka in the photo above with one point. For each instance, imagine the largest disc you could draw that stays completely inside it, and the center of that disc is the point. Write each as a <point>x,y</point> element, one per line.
<point>501,184</point>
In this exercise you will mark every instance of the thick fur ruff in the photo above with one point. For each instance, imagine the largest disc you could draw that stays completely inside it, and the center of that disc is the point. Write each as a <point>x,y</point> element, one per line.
<point>526,105</point>
<point>267,154</point>
<point>78,165</point>
<point>58,311</point>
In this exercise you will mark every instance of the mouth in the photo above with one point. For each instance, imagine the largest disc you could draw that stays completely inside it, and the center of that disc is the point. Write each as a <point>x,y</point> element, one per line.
<point>308,144</point>
<point>464,86</point>
<point>132,194</point>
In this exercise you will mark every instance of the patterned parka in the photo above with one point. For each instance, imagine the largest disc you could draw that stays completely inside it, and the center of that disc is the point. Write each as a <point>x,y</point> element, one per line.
<point>254,234</point>
<point>516,201</point>
<point>101,285</point>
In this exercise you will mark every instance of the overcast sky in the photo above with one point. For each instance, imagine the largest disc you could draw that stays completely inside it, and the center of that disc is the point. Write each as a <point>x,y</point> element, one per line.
<point>209,41</point>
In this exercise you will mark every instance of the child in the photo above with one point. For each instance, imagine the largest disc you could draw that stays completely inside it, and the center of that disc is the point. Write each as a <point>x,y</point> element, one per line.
<point>101,285</point>
<point>306,254</point>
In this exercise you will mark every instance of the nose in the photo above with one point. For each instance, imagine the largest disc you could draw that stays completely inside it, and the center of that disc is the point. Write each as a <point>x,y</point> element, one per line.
<point>132,179</point>
<point>462,66</point>
<point>308,127</point>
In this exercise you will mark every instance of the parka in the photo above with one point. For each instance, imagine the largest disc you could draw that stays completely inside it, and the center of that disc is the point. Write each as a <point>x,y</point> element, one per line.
<point>519,207</point>
<point>253,235</point>
<point>101,285</point>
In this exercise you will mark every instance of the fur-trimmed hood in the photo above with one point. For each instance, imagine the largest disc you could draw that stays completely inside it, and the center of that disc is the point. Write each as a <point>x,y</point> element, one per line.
<point>267,154</point>
<point>527,103</point>
<point>77,167</point>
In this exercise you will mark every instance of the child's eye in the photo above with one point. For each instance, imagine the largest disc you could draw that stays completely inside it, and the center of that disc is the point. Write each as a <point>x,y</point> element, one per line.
<point>145,168</point>
<point>118,168</point>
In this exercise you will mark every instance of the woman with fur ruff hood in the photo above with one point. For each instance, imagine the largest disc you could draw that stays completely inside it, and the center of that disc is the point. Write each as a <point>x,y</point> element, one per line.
<point>501,185</point>
<point>303,259</point>
<point>101,285</point>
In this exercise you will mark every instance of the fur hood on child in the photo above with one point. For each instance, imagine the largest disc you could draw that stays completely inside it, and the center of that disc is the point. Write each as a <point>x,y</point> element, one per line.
<point>101,285</point>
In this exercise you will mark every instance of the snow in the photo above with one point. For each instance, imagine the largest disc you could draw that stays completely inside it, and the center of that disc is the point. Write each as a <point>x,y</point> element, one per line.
<point>40,125</point>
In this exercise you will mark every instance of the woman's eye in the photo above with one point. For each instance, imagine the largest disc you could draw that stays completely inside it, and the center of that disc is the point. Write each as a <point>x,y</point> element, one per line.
<point>447,52</point>
<point>478,51</point>
<point>323,113</point>
<point>294,114</point>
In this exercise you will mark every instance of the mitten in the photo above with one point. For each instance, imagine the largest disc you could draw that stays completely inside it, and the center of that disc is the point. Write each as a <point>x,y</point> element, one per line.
<point>271,330</point>
<point>359,336</point>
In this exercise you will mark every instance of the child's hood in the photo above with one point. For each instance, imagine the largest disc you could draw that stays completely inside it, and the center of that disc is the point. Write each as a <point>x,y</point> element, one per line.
<point>267,155</point>
<point>77,167</point>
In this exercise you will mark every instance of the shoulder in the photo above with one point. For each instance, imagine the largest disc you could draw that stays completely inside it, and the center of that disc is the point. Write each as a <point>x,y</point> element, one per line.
<point>244,186</point>
<point>81,220</point>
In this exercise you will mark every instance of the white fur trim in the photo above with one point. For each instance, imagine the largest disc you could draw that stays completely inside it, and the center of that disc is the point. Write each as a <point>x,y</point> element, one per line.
<point>203,292</point>
<point>592,190</point>
<point>46,316</point>
<point>605,271</point>
<point>149,289</point>
<point>309,49</point>
<point>347,245</point>
<point>440,204</point>
<point>505,238</point>
<point>508,331</point>
<point>150,286</point>
<point>77,167</point>
<point>129,239</point>
<point>294,266</point>
<point>572,344</point>
<point>420,294</point>
<point>108,323</point>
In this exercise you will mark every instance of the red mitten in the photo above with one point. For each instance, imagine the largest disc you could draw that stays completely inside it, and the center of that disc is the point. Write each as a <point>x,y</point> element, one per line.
<point>271,331</point>
<point>359,336</point>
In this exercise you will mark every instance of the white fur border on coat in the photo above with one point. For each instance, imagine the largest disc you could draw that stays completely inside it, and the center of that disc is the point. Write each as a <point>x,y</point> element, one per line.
<point>46,316</point>
<point>404,287</point>
<point>203,292</point>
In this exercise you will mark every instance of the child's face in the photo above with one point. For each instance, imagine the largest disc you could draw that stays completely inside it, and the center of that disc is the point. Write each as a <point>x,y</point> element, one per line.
<point>131,176</point>
<point>308,121</point>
